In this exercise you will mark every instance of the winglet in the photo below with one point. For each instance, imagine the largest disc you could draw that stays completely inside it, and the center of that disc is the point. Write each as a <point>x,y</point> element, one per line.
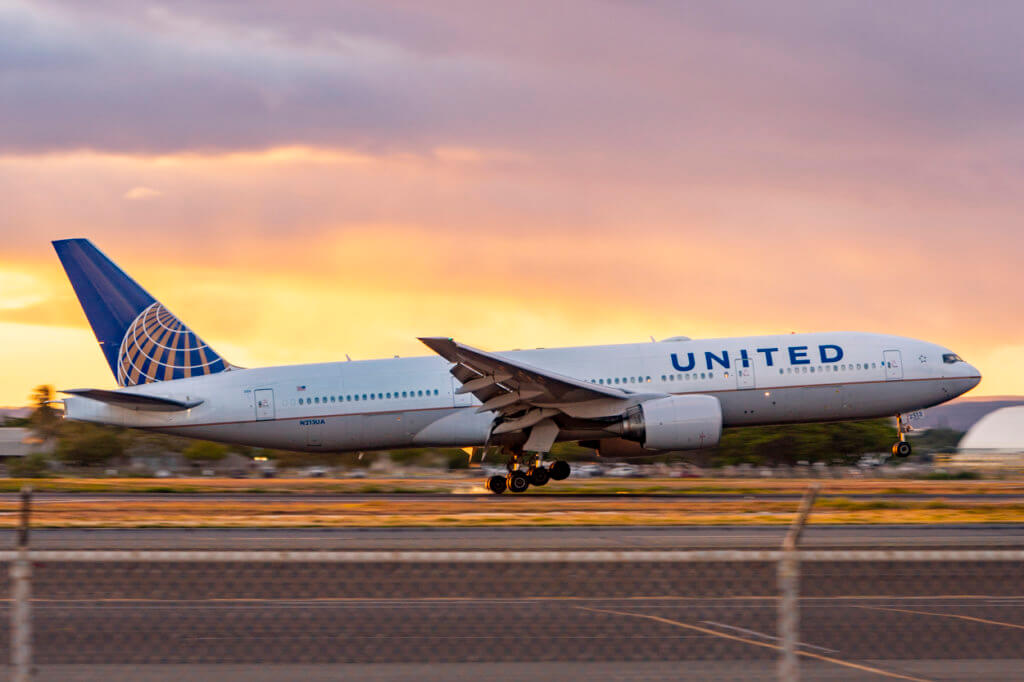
<point>444,346</point>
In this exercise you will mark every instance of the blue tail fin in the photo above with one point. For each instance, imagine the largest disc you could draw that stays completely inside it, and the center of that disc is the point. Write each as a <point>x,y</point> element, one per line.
<point>142,341</point>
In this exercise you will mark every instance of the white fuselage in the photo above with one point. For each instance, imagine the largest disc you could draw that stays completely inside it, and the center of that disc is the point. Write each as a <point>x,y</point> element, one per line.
<point>409,402</point>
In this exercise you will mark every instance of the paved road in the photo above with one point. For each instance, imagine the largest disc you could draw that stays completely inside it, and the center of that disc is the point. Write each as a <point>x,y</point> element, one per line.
<point>577,538</point>
<point>505,621</point>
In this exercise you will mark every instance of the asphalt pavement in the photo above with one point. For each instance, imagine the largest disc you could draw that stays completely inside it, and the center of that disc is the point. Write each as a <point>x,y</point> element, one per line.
<point>505,621</point>
<point>502,620</point>
<point>528,538</point>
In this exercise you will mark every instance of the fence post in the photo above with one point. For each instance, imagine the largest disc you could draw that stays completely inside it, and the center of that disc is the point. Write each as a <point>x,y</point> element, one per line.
<point>21,587</point>
<point>789,584</point>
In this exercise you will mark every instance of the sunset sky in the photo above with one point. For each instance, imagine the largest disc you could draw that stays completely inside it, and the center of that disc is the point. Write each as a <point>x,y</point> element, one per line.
<point>302,180</point>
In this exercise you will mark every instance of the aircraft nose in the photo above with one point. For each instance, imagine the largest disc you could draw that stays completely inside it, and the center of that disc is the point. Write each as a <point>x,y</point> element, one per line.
<point>974,376</point>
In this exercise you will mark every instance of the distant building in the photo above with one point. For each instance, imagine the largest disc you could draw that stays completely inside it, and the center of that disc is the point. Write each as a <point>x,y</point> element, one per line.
<point>18,442</point>
<point>963,413</point>
<point>995,441</point>
<point>999,431</point>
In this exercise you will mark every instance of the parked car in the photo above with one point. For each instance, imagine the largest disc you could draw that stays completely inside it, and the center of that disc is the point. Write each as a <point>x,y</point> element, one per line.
<point>623,471</point>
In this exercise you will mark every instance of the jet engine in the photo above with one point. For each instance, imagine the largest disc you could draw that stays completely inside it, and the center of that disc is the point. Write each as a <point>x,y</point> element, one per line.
<point>678,422</point>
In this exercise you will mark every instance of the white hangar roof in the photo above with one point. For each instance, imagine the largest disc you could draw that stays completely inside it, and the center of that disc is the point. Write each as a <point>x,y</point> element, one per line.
<point>1002,429</point>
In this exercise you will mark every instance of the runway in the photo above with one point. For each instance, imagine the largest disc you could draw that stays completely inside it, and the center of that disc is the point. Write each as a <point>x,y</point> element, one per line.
<point>505,621</point>
<point>497,620</point>
<point>527,538</point>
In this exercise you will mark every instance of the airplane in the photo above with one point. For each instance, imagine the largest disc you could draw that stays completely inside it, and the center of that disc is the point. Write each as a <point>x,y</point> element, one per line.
<point>623,400</point>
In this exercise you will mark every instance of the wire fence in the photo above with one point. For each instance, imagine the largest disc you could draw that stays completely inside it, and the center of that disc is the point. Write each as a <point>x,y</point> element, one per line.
<point>600,615</point>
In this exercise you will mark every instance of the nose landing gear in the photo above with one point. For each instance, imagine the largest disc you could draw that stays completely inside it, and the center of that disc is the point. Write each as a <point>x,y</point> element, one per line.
<point>901,448</point>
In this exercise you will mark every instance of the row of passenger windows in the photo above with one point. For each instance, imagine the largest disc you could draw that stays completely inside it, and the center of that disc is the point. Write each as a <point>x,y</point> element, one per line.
<point>688,377</point>
<point>356,397</point>
<point>860,366</point>
<point>620,380</point>
<point>695,376</point>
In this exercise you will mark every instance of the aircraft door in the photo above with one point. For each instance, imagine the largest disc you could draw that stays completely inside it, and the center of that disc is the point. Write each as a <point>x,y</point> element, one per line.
<point>745,377</point>
<point>264,403</point>
<point>893,365</point>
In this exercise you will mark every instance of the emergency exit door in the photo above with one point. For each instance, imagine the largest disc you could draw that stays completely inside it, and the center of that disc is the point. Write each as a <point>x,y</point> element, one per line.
<point>893,364</point>
<point>264,403</point>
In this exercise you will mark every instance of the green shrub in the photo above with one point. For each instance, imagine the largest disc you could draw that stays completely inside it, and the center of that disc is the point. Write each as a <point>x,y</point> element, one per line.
<point>35,465</point>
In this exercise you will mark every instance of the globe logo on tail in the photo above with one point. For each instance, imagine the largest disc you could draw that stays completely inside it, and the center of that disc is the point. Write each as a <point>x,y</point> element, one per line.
<point>159,347</point>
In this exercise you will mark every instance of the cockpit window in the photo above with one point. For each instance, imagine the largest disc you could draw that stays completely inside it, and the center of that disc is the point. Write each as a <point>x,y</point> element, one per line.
<point>950,358</point>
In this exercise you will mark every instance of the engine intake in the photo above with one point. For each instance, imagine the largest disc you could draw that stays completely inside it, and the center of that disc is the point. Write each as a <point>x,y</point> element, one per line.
<point>679,422</point>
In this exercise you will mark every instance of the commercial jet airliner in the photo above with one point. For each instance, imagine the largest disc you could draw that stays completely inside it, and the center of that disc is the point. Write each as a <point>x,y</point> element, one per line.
<point>629,399</point>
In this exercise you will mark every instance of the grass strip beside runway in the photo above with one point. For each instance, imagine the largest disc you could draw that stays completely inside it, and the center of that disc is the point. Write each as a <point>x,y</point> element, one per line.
<point>507,510</point>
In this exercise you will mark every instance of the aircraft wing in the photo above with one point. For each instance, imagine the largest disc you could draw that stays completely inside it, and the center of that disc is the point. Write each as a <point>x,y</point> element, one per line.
<point>508,385</point>
<point>134,401</point>
<point>530,400</point>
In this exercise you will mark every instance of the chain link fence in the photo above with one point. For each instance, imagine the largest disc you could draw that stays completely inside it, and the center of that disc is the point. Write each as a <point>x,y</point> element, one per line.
<point>547,615</point>
<point>453,615</point>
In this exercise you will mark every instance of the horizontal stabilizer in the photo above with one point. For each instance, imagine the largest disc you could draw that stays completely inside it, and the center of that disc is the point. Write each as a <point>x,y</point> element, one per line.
<point>134,401</point>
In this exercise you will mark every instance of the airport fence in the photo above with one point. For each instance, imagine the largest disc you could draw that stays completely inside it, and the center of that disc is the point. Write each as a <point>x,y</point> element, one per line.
<point>433,615</point>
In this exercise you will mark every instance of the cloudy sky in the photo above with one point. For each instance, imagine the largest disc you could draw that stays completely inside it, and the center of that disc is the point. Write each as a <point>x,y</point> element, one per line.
<point>298,181</point>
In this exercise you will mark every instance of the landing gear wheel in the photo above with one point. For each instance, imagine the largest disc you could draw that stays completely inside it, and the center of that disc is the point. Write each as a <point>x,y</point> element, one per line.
<point>496,484</point>
<point>518,482</point>
<point>559,470</point>
<point>901,449</point>
<point>539,476</point>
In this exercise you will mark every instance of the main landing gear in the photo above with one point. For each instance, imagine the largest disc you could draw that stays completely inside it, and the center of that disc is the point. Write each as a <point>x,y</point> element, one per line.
<point>519,480</point>
<point>901,448</point>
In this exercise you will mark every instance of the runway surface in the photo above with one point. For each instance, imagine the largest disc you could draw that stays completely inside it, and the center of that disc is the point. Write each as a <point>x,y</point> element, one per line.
<point>506,621</point>
<point>526,538</point>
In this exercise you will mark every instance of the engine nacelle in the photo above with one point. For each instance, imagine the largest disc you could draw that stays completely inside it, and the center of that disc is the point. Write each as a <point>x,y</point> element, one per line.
<point>678,422</point>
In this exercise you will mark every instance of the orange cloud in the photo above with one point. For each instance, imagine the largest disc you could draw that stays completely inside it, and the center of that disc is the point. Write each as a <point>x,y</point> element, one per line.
<point>299,254</point>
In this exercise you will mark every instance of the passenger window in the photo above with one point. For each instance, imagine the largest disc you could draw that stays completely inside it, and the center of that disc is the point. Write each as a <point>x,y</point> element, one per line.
<point>332,398</point>
<point>702,375</point>
<point>372,397</point>
<point>435,391</point>
<point>812,370</point>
